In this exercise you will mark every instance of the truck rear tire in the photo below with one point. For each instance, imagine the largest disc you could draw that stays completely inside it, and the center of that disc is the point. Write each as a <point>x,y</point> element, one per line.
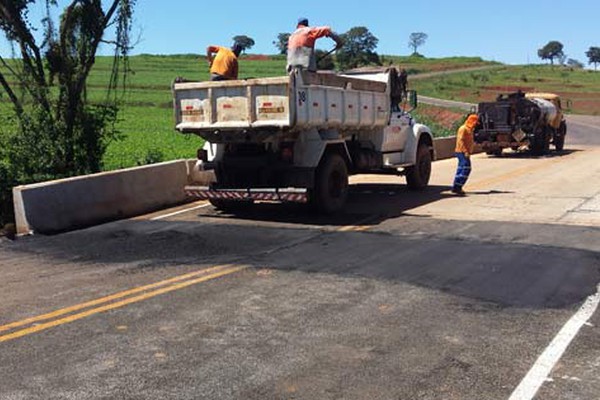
<point>417,176</point>
<point>331,184</point>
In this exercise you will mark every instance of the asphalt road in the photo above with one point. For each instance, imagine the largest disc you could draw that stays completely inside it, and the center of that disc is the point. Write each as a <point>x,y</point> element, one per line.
<point>403,296</point>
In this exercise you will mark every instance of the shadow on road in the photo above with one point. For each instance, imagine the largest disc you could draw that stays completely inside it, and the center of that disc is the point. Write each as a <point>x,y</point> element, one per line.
<point>529,155</point>
<point>503,273</point>
<point>368,204</point>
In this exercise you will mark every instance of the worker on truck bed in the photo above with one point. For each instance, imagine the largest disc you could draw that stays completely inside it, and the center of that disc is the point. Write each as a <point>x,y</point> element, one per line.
<point>463,150</point>
<point>224,66</point>
<point>301,44</point>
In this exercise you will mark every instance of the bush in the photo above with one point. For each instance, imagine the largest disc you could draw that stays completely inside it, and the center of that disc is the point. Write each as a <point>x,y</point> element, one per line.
<point>7,181</point>
<point>153,156</point>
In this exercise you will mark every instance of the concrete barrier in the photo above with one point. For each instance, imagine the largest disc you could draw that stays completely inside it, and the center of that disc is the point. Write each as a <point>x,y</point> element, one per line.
<point>444,147</point>
<point>77,202</point>
<point>67,204</point>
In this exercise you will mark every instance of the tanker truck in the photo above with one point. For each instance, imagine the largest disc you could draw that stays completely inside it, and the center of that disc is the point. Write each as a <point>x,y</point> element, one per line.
<point>531,121</point>
<point>297,138</point>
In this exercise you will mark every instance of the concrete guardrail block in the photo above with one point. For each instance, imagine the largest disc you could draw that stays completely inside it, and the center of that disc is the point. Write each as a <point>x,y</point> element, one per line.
<point>77,202</point>
<point>81,201</point>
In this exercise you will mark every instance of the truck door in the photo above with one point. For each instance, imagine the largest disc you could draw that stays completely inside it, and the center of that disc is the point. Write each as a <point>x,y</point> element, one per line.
<point>396,133</point>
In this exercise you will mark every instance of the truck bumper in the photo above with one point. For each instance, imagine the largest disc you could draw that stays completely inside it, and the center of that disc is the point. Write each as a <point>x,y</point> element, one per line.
<point>293,195</point>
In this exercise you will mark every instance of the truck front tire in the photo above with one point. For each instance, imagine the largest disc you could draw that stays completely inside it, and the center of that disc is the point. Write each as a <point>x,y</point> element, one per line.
<point>331,184</point>
<point>541,142</point>
<point>417,176</point>
<point>559,139</point>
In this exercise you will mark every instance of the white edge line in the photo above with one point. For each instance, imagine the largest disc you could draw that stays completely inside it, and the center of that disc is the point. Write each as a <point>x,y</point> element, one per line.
<point>542,368</point>
<point>179,212</point>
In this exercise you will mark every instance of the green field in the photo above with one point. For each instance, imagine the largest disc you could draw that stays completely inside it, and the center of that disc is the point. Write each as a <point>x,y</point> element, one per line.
<point>579,89</point>
<point>146,120</point>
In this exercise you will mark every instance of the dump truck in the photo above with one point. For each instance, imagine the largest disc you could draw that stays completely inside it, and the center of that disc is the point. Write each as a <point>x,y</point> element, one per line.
<point>297,138</point>
<point>529,121</point>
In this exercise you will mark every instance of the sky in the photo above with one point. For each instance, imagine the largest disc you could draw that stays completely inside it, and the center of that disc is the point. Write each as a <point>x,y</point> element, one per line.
<point>508,31</point>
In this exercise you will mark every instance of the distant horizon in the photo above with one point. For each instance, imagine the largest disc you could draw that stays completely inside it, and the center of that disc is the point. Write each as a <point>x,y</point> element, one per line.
<point>545,63</point>
<point>510,34</point>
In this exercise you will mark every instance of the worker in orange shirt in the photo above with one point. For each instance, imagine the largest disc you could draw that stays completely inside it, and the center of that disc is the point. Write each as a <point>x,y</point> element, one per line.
<point>465,145</point>
<point>224,66</point>
<point>301,44</point>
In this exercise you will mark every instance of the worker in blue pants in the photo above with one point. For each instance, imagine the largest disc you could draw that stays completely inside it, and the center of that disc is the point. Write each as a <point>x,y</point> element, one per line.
<point>463,150</point>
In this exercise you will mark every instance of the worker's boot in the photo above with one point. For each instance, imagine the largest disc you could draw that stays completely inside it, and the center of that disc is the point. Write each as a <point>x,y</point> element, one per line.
<point>458,190</point>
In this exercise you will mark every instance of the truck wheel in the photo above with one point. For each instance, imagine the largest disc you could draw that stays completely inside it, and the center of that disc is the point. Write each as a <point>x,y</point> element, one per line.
<point>417,176</point>
<point>541,143</point>
<point>559,140</point>
<point>230,206</point>
<point>331,185</point>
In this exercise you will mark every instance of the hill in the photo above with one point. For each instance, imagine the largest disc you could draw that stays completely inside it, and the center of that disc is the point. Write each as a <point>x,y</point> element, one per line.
<point>579,88</point>
<point>146,120</point>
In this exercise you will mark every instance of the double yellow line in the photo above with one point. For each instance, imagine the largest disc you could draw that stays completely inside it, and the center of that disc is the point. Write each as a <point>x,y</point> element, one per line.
<point>76,312</point>
<point>73,313</point>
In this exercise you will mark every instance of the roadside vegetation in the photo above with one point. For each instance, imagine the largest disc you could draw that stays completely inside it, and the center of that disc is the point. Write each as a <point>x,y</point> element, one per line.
<point>442,121</point>
<point>144,128</point>
<point>579,88</point>
<point>52,129</point>
<point>417,64</point>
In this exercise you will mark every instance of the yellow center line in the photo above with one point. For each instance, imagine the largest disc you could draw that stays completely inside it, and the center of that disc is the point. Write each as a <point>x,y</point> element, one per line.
<point>106,299</point>
<point>214,272</point>
<point>119,304</point>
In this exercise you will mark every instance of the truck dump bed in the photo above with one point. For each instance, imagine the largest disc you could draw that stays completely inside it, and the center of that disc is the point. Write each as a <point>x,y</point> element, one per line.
<point>300,100</point>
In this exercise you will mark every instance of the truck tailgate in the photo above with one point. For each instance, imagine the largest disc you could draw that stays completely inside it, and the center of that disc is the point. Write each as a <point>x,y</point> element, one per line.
<point>248,103</point>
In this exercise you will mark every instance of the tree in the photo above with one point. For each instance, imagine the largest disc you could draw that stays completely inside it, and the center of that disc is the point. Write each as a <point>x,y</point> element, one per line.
<point>282,42</point>
<point>571,62</point>
<point>324,60</point>
<point>358,49</point>
<point>59,132</point>
<point>244,41</point>
<point>551,50</point>
<point>593,55</point>
<point>562,59</point>
<point>416,40</point>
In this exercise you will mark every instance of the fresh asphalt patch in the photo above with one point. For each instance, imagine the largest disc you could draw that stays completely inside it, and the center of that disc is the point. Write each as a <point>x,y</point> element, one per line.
<point>507,274</point>
<point>421,309</point>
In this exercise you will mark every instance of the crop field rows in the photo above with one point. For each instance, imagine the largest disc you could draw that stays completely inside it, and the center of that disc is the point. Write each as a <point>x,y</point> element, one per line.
<point>146,118</point>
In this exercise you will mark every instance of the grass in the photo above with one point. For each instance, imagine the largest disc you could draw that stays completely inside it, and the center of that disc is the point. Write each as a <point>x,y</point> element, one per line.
<point>579,89</point>
<point>147,124</point>
<point>443,122</point>
<point>420,65</point>
<point>147,120</point>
